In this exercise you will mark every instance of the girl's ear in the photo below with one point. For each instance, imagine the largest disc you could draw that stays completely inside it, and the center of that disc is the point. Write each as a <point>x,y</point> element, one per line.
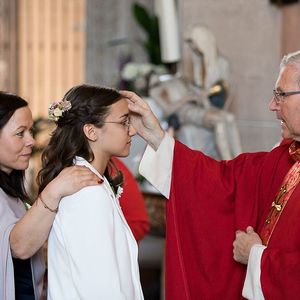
<point>90,132</point>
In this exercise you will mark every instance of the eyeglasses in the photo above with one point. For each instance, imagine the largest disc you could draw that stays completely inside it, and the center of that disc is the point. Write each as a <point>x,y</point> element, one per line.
<point>125,123</point>
<point>280,96</point>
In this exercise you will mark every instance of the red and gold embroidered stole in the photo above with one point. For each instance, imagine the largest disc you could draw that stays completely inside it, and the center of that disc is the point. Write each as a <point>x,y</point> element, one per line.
<point>289,184</point>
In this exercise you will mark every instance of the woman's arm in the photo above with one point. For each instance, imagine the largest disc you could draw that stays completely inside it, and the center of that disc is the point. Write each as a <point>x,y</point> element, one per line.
<point>31,231</point>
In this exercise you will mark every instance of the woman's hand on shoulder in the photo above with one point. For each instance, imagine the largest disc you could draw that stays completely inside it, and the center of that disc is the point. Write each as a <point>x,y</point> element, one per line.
<point>69,181</point>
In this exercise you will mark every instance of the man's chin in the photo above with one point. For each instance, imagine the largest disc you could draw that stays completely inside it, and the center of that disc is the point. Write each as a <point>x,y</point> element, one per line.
<point>286,135</point>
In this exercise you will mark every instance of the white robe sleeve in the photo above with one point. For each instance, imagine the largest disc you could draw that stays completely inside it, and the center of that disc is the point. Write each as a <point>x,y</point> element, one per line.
<point>252,287</point>
<point>156,166</point>
<point>85,229</point>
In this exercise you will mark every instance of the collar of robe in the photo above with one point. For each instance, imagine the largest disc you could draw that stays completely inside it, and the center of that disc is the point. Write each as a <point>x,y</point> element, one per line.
<point>294,150</point>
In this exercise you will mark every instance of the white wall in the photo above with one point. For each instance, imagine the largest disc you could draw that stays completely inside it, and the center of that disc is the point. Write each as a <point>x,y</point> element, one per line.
<point>247,32</point>
<point>248,35</point>
<point>110,31</point>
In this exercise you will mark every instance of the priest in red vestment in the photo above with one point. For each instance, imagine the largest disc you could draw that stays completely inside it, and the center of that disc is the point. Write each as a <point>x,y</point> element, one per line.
<point>232,226</point>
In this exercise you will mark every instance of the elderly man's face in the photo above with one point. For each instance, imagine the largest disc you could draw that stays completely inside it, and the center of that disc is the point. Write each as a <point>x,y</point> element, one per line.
<point>288,110</point>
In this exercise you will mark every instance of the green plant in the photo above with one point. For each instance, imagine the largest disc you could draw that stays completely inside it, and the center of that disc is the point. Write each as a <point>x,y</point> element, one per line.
<point>149,23</point>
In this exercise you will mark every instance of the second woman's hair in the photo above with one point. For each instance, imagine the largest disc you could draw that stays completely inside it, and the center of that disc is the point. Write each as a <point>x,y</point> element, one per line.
<point>90,105</point>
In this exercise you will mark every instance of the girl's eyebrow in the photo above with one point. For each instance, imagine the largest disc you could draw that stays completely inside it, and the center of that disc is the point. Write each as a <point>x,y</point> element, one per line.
<point>124,116</point>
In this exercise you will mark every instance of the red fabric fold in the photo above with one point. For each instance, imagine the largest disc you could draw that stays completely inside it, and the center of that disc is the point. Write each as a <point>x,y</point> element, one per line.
<point>209,201</point>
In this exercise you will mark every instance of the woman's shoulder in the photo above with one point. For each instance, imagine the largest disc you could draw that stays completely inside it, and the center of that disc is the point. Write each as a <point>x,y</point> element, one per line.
<point>6,199</point>
<point>10,206</point>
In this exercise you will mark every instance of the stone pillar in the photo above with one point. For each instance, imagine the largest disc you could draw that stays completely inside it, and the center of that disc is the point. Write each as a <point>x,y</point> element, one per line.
<point>248,35</point>
<point>111,33</point>
<point>8,45</point>
<point>290,28</point>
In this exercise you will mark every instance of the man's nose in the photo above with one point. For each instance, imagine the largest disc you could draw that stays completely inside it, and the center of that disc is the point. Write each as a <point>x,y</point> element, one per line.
<point>273,105</point>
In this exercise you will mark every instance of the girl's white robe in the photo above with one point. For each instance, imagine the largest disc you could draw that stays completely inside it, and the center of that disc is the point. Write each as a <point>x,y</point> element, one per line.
<point>92,253</point>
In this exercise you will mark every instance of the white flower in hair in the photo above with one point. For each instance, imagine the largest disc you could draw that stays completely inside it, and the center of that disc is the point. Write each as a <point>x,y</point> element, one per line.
<point>57,112</point>
<point>119,192</point>
<point>57,109</point>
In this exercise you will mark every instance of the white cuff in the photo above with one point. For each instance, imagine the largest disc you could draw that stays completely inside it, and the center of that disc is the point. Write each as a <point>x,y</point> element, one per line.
<point>252,286</point>
<point>156,166</point>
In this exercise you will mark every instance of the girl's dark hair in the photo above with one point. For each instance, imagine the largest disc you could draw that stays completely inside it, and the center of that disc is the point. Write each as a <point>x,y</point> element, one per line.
<point>12,184</point>
<point>90,105</point>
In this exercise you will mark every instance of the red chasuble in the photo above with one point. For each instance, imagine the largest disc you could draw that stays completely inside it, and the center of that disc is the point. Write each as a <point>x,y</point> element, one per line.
<point>209,201</point>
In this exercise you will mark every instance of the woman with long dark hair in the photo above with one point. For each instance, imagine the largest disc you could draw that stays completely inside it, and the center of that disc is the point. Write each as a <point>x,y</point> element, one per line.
<point>23,231</point>
<point>92,253</point>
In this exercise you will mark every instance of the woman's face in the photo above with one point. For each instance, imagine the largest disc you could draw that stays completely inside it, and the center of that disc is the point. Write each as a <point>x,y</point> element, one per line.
<point>114,138</point>
<point>16,141</point>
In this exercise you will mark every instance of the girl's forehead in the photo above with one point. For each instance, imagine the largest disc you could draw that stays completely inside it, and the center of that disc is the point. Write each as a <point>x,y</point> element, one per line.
<point>119,108</point>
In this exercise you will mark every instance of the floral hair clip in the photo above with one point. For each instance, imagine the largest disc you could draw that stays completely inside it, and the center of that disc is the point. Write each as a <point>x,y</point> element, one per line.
<point>57,109</point>
<point>119,193</point>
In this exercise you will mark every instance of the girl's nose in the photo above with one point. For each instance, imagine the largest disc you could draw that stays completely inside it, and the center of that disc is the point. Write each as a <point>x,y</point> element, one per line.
<point>132,131</point>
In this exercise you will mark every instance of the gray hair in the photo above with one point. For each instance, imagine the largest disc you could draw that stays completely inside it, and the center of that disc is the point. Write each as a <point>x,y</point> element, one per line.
<point>292,58</point>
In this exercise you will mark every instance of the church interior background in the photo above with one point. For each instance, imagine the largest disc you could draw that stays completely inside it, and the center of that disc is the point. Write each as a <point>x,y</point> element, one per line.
<point>47,46</point>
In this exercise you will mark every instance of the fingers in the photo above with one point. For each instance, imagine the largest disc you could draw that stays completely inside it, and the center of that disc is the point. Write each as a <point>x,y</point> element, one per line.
<point>138,109</point>
<point>81,176</point>
<point>71,180</point>
<point>240,248</point>
<point>238,232</point>
<point>131,96</point>
<point>236,250</point>
<point>244,240</point>
<point>83,182</point>
<point>133,99</point>
<point>86,176</point>
<point>249,229</point>
<point>127,94</point>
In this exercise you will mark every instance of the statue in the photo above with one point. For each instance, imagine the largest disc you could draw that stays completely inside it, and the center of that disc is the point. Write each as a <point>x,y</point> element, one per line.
<point>199,105</point>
